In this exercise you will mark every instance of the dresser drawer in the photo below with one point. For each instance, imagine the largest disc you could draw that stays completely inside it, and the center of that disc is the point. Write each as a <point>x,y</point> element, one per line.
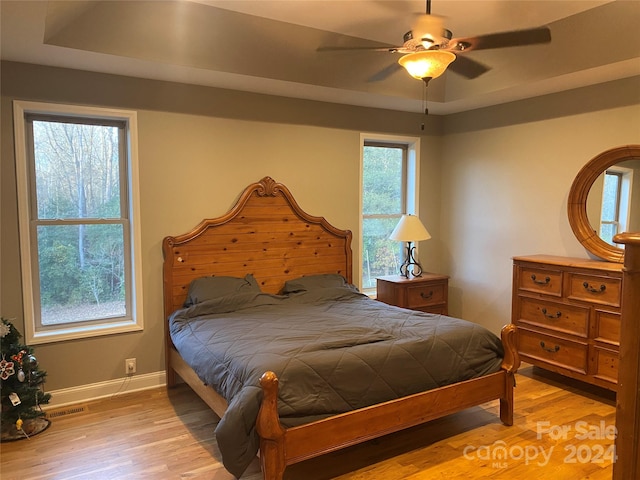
<point>594,289</point>
<point>425,295</point>
<point>552,350</point>
<point>607,327</point>
<point>606,364</point>
<point>540,280</point>
<point>560,317</point>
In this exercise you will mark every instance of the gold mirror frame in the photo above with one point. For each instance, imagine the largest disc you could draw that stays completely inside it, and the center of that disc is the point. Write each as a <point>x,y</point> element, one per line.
<point>577,204</point>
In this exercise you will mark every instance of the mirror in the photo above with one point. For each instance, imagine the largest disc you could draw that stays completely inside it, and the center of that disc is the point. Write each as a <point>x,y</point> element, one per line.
<point>585,205</point>
<point>614,206</point>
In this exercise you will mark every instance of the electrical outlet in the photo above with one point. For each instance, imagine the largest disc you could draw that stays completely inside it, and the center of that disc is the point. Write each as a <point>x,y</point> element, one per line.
<point>130,366</point>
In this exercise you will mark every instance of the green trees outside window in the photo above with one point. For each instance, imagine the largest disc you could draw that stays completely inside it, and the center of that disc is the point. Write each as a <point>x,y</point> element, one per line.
<point>79,219</point>
<point>383,203</point>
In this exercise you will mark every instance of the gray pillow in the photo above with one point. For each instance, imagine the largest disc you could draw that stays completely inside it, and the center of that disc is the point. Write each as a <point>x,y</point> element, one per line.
<point>313,282</point>
<point>207,288</point>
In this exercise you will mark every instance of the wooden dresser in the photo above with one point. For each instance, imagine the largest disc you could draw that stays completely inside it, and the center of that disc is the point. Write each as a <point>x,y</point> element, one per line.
<point>428,293</point>
<point>567,311</point>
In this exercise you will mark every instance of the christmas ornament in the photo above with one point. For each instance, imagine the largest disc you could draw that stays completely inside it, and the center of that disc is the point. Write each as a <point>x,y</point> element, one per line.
<point>19,423</point>
<point>21,376</point>
<point>4,329</point>
<point>14,399</point>
<point>32,362</point>
<point>18,356</point>
<point>6,369</point>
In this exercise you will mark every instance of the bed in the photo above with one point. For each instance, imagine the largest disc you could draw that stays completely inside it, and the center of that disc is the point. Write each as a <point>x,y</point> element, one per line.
<point>287,272</point>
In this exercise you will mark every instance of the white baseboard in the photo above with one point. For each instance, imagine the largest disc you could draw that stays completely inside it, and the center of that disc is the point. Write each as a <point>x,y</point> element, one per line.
<point>94,391</point>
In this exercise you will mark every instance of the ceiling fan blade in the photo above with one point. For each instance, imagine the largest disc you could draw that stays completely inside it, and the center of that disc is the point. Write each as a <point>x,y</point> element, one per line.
<point>355,49</point>
<point>514,38</point>
<point>385,73</point>
<point>467,67</point>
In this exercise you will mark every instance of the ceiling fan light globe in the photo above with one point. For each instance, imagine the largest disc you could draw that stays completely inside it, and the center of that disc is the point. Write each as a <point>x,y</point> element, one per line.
<point>427,64</point>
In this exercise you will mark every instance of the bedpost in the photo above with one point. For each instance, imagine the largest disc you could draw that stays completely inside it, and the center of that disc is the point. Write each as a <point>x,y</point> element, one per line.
<point>167,290</point>
<point>627,443</point>
<point>272,454</point>
<point>511,360</point>
<point>510,364</point>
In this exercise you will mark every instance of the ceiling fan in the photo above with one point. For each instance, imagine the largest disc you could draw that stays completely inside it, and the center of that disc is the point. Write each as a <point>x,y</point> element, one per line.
<point>429,48</point>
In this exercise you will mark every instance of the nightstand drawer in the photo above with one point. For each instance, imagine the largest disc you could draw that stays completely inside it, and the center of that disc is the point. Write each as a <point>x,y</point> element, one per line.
<point>435,309</point>
<point>553,350</point>
<point>560,317</point>
<point>425,295</point>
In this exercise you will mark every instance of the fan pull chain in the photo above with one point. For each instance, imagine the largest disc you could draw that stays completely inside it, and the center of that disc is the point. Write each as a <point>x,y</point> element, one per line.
<point>425,96</point>
<point>424,104</point>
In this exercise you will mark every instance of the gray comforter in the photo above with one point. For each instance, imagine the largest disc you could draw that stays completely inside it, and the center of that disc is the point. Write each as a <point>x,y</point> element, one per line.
<point>333,350</point>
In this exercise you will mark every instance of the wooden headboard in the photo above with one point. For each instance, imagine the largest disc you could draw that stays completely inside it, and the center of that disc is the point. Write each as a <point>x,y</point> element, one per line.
<point>266,233</point>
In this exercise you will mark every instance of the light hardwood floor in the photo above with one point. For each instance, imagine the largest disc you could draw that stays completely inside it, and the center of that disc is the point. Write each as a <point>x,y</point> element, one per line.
<point>159,434</point>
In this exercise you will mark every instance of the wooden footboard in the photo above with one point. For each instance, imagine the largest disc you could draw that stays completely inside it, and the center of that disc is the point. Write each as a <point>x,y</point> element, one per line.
<point>281,446</point>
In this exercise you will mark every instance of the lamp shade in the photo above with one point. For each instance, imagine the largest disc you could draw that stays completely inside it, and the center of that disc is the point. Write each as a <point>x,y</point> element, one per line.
<point>409,229</point>
<point>427,63</point>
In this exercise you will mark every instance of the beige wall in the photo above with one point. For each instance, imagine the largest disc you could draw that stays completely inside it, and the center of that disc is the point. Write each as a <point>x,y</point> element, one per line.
<point>506,176</point>
<point>494,183</point>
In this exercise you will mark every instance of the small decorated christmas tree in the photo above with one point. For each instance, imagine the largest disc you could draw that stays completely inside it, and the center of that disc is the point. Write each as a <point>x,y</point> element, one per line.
<point>21,386</point>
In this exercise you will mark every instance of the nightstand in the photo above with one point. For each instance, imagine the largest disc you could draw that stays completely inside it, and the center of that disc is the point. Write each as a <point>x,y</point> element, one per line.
<point>428,293</point>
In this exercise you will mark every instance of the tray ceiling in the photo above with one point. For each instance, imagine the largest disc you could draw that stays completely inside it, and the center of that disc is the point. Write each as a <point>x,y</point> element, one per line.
<point>270,46</point>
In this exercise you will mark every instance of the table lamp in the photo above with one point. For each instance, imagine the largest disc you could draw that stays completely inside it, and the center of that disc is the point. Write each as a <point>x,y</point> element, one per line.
<point>410,229</point>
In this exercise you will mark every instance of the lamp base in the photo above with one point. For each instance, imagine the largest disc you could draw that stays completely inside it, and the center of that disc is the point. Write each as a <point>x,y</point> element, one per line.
<point>410,266</point>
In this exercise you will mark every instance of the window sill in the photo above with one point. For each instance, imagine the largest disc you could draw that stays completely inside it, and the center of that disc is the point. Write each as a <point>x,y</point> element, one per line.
<point>78,332</point>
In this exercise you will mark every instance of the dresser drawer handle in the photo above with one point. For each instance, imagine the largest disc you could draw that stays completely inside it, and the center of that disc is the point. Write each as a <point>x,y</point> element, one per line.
<point>590,289</point>
<point>540,282</point>
<point>426,296</point>
<point>551,350</point>
<point>558,314</point>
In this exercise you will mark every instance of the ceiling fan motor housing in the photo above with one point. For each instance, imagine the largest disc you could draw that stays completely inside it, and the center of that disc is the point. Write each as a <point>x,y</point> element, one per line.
<point>428,40</point>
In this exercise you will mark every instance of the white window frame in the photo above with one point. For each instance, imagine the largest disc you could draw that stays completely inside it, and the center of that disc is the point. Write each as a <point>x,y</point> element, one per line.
<point>412,187</point>
<point>69,331</point>
<point>623,200</point>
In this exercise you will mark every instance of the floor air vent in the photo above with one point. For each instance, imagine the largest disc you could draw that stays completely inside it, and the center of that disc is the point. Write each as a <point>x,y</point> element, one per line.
<point>62,412</point>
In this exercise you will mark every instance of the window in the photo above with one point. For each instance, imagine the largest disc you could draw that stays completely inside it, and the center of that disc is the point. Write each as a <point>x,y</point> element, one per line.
<point>389,172</point>
<point>616,197</point>
<point>79,234</point>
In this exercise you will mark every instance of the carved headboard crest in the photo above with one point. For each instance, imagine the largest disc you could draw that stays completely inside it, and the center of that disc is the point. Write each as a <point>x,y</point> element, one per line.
<point>267,187</point>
